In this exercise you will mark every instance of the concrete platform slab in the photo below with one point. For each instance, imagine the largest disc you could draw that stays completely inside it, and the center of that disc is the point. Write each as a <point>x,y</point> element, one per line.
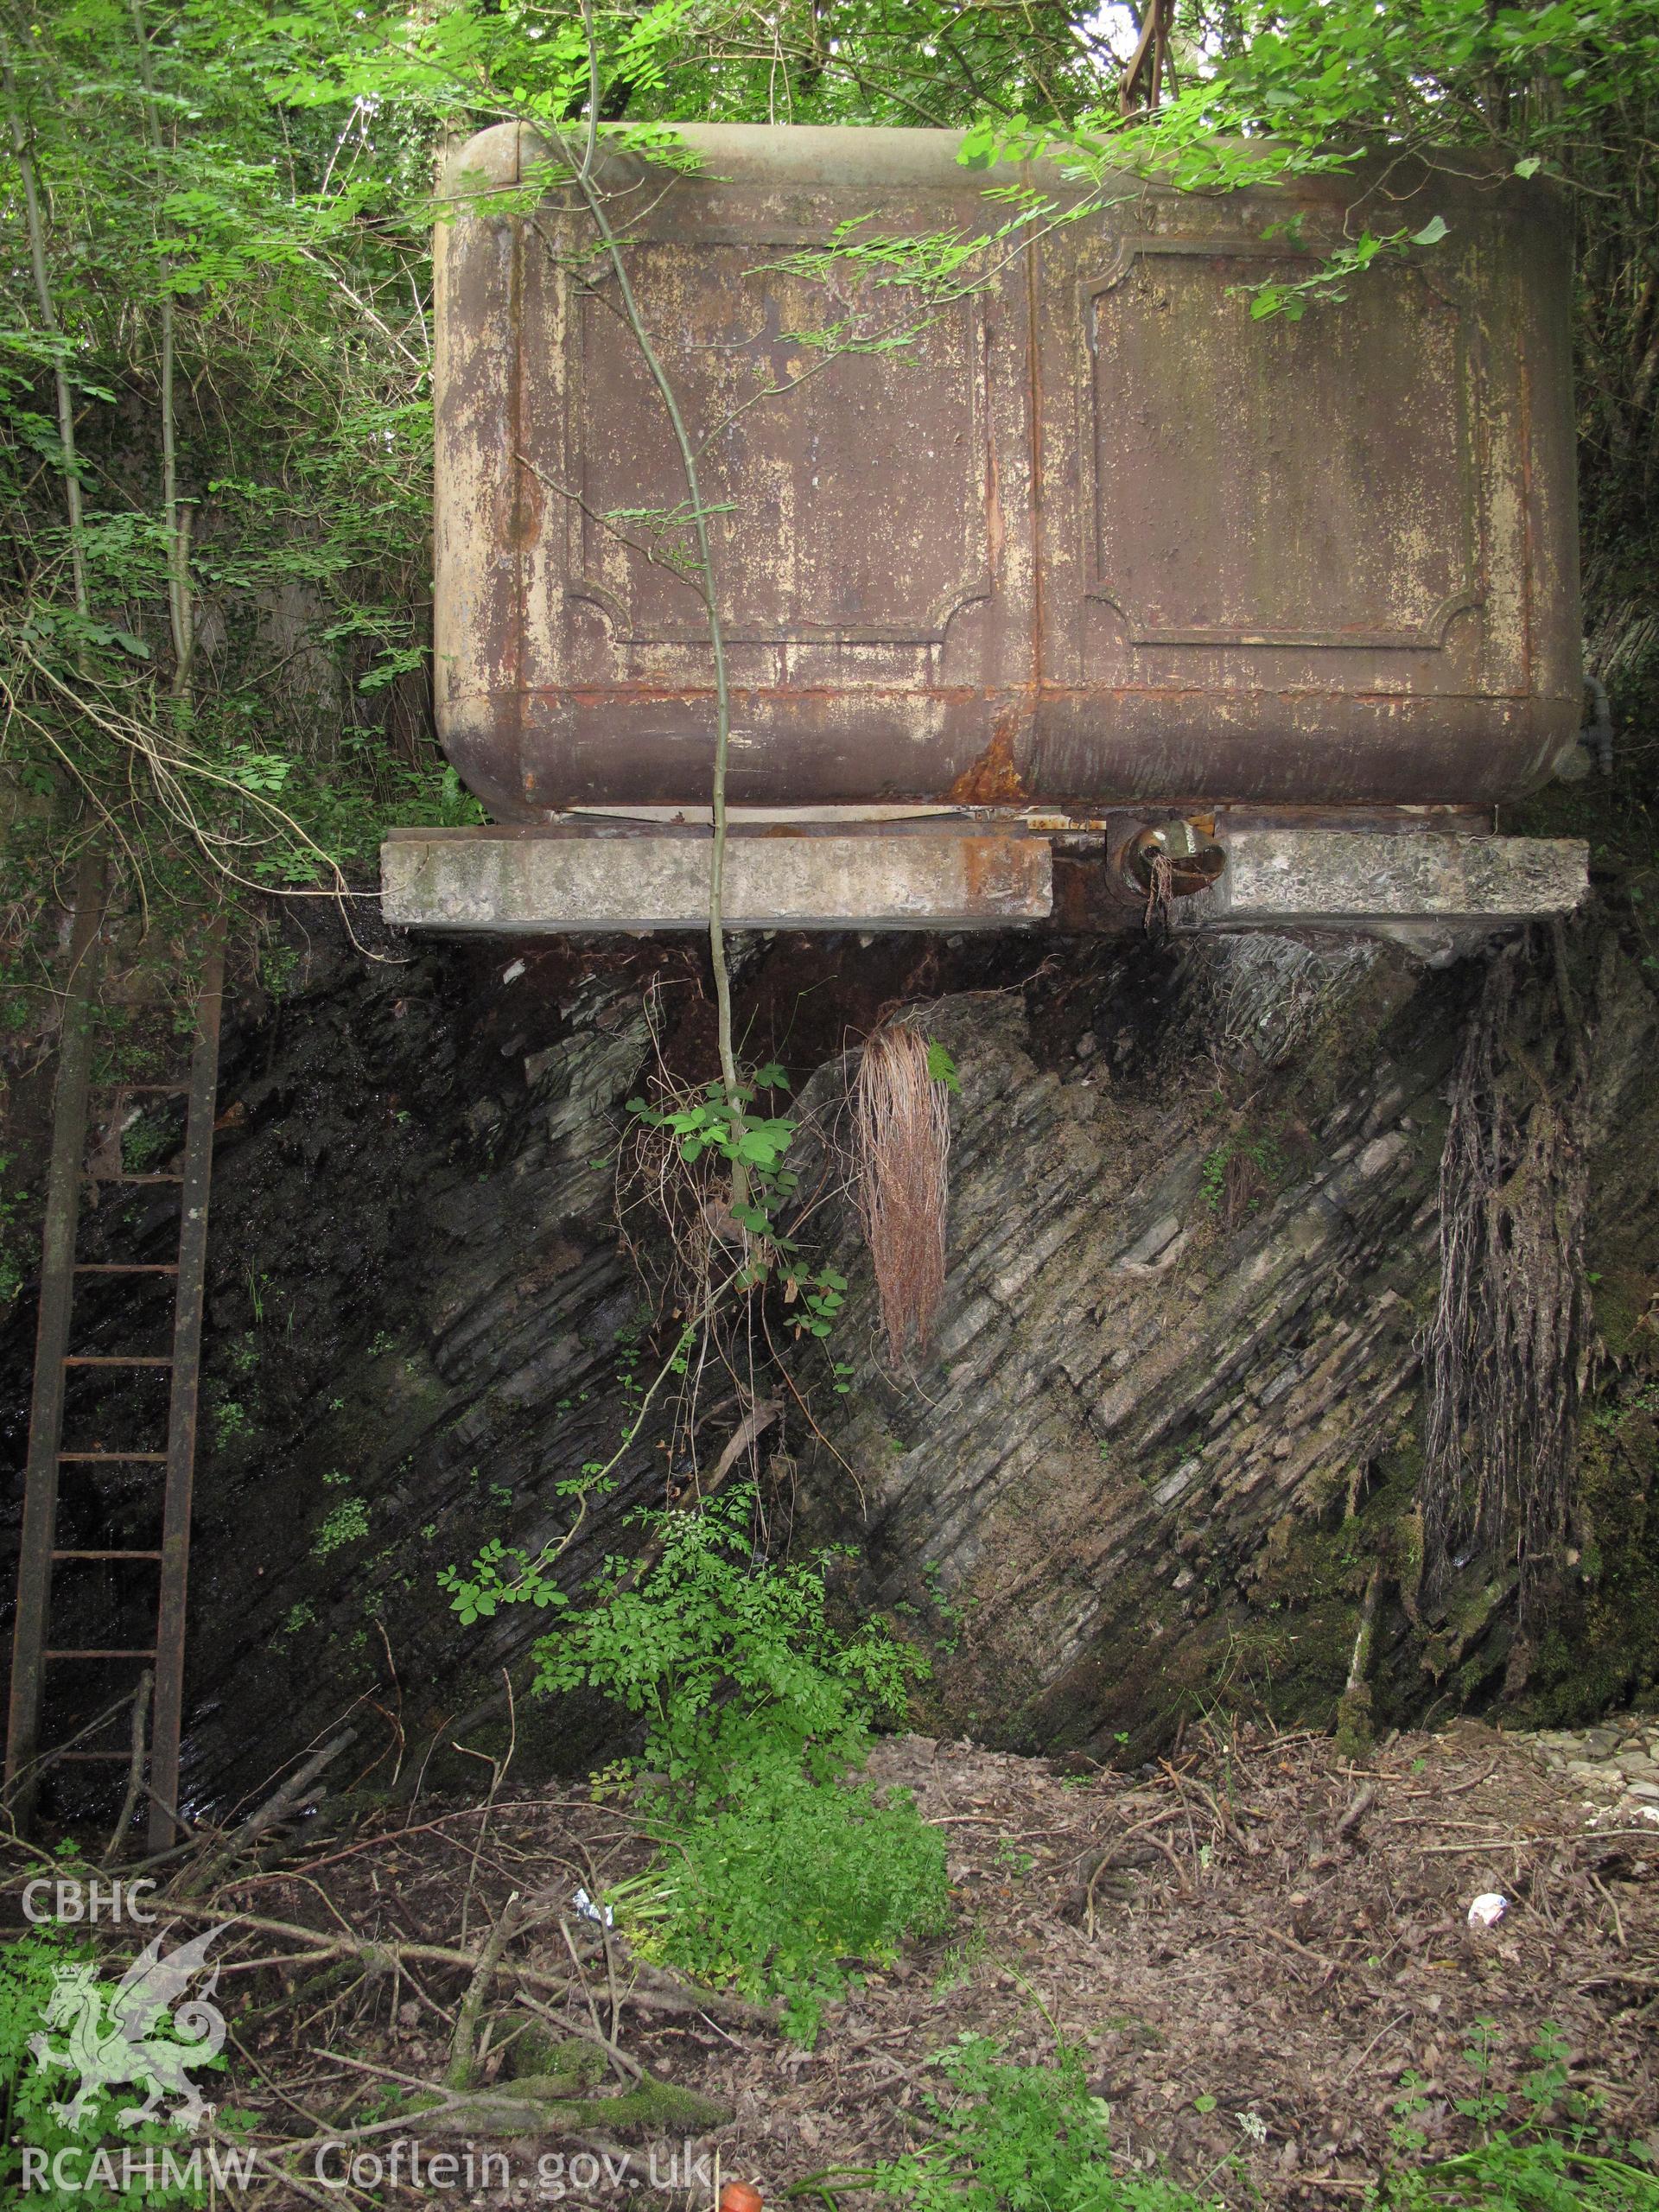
<point>527,882</point>
<point>1438,892</point>
<point>1291,877</point>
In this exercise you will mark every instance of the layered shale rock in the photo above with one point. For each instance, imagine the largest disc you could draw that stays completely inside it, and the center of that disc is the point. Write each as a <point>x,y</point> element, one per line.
<point>1163,1443</point>
<point>1166,1438</point>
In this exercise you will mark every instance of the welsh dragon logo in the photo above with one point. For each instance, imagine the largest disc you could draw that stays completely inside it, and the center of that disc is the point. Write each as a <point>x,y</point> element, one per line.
<point>110,2038</point>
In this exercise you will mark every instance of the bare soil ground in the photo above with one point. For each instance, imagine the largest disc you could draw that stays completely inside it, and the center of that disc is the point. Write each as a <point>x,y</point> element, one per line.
<point>1255,1945</point>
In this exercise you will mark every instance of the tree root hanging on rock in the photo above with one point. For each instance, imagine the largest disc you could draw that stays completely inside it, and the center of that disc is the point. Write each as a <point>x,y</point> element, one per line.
<point>1504,1352</point>
<point>902,1118</point>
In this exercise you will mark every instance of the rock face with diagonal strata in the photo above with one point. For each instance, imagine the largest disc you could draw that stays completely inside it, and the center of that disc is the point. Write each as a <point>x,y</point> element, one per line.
<point>1165,1437</point>
<point>1168,1430</point>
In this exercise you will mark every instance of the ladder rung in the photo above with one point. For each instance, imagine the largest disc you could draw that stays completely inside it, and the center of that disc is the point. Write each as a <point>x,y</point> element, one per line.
<point>47,1757</point>
<point>173,1090</point>
<point>108,1458</point>
<point>77,1554</point>
<point>126,1267</point>
<point>149,1653</point>
<point>96,1177</point>
<point>122,1360</point>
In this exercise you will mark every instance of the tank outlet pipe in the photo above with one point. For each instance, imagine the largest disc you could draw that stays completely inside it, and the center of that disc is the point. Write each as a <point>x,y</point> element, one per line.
<point>1172,859</point>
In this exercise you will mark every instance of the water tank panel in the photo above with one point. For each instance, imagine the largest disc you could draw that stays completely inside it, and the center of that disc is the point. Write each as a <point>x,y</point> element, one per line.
<point>1093,535</point>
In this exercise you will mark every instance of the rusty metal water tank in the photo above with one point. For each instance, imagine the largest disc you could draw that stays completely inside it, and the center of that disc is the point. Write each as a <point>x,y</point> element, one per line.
<point>1095,536</point>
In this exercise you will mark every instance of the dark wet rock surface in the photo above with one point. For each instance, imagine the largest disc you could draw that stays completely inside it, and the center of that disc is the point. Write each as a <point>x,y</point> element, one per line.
<point>1167,1423</point>
<point>1170,1424</point>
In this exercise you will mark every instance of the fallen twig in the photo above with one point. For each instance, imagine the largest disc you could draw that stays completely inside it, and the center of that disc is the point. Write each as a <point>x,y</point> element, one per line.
<point>135,1769</point>
<point>652,1996</point>
<point>283,1801</point>
<point>463,2049</point>
<point>1363,1800</point>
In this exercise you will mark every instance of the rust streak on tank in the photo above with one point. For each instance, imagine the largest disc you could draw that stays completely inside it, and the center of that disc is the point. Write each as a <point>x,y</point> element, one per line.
<point>992,779</point>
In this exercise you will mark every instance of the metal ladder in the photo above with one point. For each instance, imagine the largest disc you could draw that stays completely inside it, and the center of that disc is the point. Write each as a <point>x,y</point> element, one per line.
<point>26,1758</point>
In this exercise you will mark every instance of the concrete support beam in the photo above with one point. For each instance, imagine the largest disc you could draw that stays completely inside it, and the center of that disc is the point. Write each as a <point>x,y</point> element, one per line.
<point>1437,891</point>
<point>527,882</point>
<point>1426,888</point>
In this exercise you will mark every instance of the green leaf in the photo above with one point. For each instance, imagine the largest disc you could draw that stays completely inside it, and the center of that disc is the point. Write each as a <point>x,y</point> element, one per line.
<point>941,1066</point>
<point>978,147</point>
<point>1432,233</point>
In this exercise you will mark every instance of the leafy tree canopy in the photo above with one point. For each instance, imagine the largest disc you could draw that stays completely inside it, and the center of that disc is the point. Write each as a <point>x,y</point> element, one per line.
<point>215,324</point>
